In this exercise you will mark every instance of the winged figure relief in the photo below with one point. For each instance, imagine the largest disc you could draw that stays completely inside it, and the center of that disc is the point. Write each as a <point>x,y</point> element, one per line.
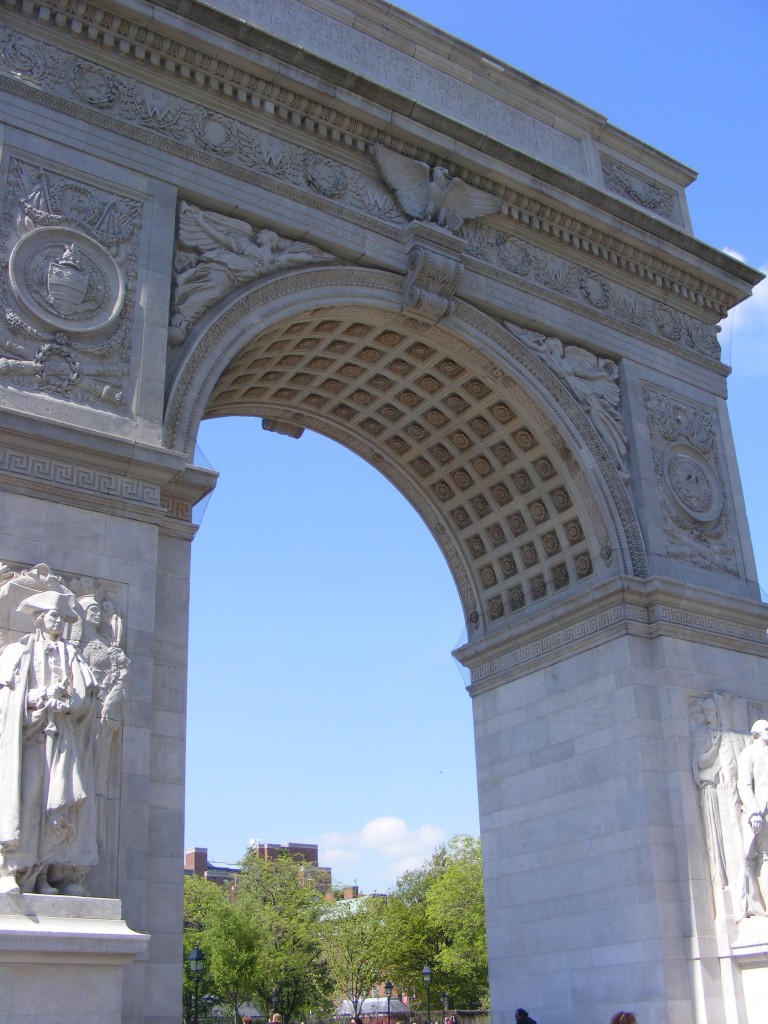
<point>216,254</point>
<point>431,193</point>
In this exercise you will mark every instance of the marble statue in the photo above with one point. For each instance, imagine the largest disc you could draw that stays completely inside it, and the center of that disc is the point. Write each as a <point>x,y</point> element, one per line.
<point>753,791</point>
<point>217,254</point>
<point>99,634</point>
<point>431,193</point>
<point>48,697</point>
<point>715,746</point>
<point>62,695</point>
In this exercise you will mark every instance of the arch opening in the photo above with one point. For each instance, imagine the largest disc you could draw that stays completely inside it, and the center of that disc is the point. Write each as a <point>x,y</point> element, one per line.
<point>502,486</point>
<point>342,691</point>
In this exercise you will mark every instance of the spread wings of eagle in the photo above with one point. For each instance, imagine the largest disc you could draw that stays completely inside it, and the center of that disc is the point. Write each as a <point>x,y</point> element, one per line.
<point>431,194</point>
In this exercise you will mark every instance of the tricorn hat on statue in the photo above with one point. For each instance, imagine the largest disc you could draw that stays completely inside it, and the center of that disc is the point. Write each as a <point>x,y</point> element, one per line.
<point>49,601</point>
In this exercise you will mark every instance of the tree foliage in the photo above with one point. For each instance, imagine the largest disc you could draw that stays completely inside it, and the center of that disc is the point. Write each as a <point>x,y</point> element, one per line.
<point>282,897</point>
<point>272,931</point>
<point>435,915</point>
<point>456,907</point>
<point>351,932</point>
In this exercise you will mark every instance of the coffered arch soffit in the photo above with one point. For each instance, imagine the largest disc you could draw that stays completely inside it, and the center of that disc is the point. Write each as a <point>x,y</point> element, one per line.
<point>480,436</point>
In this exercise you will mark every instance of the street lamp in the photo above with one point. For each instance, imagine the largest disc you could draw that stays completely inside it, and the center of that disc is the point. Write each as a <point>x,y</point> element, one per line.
<point>196,961</point>
<point>388,990</point>
<point>274,999</point>
<point>444,1001</point>
<point>426,974</point>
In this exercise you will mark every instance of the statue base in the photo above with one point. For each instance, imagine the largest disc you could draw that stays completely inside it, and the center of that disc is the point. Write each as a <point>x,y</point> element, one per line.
<point>62,959</point>
<point>750,951</point>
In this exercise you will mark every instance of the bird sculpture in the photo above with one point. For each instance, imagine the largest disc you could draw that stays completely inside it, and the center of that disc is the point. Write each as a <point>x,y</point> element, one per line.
<point>431,193</point>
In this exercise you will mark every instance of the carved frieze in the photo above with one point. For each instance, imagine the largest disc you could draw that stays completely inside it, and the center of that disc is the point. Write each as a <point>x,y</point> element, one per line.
<point>695,511</point>
<point>67,284</point>
<point>301,173</point>
<point>216,254</point>
<point>185,123</point>
<point>671,328</point>
<point>638,190</point>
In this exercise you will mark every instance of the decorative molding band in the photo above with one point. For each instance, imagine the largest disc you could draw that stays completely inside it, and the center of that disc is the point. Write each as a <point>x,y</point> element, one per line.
<point>628,611</point>
<point>217,144</point>
<point>36,469</point>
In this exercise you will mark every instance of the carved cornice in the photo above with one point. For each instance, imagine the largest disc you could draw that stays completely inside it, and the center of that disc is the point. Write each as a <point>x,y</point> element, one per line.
<point>229,86</point>
<point>612,609</point>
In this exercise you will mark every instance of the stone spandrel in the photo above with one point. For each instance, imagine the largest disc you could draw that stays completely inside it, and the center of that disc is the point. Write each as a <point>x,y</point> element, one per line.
<point>350,48</point>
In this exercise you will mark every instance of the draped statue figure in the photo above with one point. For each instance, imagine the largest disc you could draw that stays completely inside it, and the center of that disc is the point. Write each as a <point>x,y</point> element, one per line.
<point>61,696</point>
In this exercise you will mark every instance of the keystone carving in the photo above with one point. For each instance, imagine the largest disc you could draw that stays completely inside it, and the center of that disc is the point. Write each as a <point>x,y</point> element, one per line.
<point>434,272</point>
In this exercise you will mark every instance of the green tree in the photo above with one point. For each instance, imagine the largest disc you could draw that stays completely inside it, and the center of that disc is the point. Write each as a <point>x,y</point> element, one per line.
<point>281,896</point>
<point>228,937</point>
<point>351,932</point>
<point>409,939</point>
<point>455,906</point>
<point>435,915</point>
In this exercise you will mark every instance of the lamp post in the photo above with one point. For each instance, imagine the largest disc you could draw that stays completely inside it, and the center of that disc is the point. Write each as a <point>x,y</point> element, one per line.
<point>274,999</point>
<point>388,990</point>
<point>196,961</point>
<point>426,974</point>
<point>444,1001</point>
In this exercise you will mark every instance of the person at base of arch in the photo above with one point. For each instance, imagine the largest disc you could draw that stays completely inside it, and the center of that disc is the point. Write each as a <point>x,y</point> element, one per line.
<point>624,1017</point>
<point>521,1016</point>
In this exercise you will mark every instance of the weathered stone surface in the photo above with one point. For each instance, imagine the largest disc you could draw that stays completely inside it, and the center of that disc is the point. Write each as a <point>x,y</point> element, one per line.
<point>195,221</point>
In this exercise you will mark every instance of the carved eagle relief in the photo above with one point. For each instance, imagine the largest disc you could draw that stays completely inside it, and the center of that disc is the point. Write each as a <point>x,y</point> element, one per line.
<point>430,193</point>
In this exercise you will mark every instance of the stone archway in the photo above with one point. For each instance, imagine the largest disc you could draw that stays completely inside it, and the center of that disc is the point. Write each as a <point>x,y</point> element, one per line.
<point>209,208</point>
<point>475,430</point>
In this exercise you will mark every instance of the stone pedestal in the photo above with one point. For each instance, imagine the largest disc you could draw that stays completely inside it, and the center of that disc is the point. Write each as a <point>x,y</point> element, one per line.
<point>750,952</point>
<point>62,959</point>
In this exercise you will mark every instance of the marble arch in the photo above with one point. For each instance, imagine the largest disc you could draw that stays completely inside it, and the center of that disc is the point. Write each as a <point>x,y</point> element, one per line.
<point>330,215</point>
<point>481,437</point>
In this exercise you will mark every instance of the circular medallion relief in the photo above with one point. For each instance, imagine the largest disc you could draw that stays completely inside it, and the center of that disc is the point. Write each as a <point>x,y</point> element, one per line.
<point>65,280</point>
<point>693,483</point>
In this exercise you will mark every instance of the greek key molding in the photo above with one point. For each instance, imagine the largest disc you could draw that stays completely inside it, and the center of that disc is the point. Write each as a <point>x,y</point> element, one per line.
<point>654,618</point>
<point>87,480</point>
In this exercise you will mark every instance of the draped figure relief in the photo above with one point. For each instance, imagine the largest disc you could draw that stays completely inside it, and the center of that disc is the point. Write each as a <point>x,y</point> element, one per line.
<point>718,737</point>
<point>217,254</point>
<point>61,697</point>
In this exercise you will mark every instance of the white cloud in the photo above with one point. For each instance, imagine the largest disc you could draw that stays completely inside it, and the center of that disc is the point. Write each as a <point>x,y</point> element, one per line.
<point>382,849</point>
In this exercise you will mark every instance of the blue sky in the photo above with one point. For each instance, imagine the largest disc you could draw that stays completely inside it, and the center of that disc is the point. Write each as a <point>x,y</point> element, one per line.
<point>324,704</point>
